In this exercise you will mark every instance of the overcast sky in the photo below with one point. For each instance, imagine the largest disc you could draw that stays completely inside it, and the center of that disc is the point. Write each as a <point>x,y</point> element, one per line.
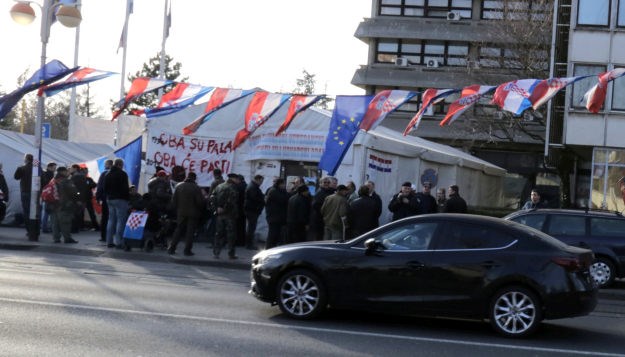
<point>233,43</point>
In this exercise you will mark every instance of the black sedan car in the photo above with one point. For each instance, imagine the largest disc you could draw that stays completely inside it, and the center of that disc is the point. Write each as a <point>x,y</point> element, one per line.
<point>450,265</point>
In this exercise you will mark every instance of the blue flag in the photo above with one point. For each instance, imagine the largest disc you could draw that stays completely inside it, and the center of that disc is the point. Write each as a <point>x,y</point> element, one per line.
<point>49,73</point>
<point>131,154</point>
<point>346,117</point>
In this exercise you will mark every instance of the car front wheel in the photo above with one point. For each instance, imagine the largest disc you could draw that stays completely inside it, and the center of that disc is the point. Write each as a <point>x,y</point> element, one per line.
<point>515,312</point>
<point>602,272</point>
<point>301,294</point>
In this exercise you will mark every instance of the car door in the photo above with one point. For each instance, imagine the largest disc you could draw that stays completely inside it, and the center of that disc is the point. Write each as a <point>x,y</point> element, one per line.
<point>568,228</point>
<point>395,276</point>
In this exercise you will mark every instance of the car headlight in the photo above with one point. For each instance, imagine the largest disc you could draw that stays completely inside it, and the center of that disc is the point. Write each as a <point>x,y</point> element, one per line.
<point>268,258</point>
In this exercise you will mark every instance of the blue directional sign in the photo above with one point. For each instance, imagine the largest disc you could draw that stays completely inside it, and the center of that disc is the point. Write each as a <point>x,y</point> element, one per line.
<point>45,130</point>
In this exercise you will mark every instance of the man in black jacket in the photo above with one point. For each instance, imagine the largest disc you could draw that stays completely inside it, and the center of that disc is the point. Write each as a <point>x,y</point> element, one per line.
<point>101,198</point>
<point>188,201</point>
<point>253,207</point>
<point>362,213</point>
<point>316,218</point>
<point>46,177</point>
<point>455,203</point>
<point>426,203</point>
<point>298,215</point>
<point>377,199</point>
<point>24,174</point>
<point>403,204</point>
<point>117,192</point>
<point>276,204</point>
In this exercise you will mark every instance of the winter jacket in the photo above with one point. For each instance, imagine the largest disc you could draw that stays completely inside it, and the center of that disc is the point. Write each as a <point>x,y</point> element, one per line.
<point>334,210</point>
<point>277,200</point>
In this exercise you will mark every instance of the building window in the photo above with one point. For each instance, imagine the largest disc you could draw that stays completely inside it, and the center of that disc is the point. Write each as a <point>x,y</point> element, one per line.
<point>581,87</point>
<point>593,12</point>
<point>621,14</point>
<point>425,8</point>
<point>618,94</point>
<point>608,190</point>
<point>514,9</point>
<point>419,52</point>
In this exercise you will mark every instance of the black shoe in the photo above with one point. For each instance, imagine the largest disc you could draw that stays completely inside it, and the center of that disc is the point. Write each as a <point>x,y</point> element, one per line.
<point>251,247</point>
<point>70,241</point>
<point>111,245</point>
<point>189,254</point>
<point>233,257</point>
<point>171,251</point>
<point>102,240</point>
<point>119,246</point>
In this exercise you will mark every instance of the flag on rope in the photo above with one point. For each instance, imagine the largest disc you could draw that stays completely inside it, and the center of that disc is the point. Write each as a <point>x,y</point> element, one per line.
<point>382,104</point>
<point>428,98</point>
<point>49,73</point>
<point>135,225</point>
<point>299,103</point>
<point>514,96</point>
<point>82,76</point>
<point>261,108</point>
<point>219,98</point>
<point>468,97</point>
<point>344,125</point>
<point>180,97</point>
<point>595,96</point>
<point>547,88</point>
<point>139,87</point>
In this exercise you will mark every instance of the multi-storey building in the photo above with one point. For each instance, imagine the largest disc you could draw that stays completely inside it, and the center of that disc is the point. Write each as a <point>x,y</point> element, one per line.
<point>420,44</point>
<point>590,39</point>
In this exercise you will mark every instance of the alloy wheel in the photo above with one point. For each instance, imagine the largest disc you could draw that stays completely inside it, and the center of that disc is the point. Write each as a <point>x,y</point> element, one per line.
<point>601,272</point>
<point>514,313</point>
<point>299,295</point>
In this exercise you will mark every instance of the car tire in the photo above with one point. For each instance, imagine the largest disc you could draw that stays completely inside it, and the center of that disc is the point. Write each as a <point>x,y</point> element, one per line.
<point>602,272</point>
<point>515,312</point>
<point>301,294</point>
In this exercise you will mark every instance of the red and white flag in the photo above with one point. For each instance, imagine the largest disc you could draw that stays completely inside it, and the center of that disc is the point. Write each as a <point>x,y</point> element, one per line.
<point>178,98</point>
<point>139,87</point>
<point>299,103</point>
<point>595,96</point>
<point>382,104</point>
<point>469,96</point>
<point>429,97</point>
<point>514,96</point>
<point>547,88</point>
<point>260,109</point>
<point>82,76</point>
<point>219,98</point>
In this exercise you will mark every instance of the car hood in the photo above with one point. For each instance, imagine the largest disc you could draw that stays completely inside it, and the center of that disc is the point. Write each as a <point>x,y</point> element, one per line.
<point>297,246</point>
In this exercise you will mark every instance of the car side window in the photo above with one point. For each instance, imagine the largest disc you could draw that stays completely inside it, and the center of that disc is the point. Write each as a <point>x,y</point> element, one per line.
<point>470,236</point>
<point>414,236</point>
<point>607,227</point>
<point>532,220</point>
<point>565,225</point>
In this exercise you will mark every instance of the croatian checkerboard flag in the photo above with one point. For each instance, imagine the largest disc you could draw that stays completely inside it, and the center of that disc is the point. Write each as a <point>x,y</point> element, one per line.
<point>547,88</point>
<point>139,87</point>
<point>180,97</point>
<point>382,104</point>
<point>429,97</point>
<point>514,96</point>
<point>219,98</point>
<point>299,103</point>
<point>82,76</point>
<point>469,96</point>
<point>260,109</point>
<point>135,225</point>
<point>595,96</point>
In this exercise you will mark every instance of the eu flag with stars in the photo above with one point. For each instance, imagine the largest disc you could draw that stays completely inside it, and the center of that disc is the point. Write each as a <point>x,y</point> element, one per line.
<point>346,117</point>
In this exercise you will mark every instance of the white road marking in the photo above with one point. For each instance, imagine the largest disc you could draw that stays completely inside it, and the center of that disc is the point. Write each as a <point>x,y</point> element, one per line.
<point>315,329</point>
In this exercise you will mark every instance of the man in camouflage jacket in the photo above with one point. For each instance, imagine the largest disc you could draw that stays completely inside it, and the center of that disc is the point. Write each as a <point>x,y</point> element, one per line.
<point>227,197</point>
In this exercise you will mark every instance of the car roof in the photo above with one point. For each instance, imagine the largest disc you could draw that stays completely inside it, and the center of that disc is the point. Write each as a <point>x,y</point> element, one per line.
<point>569,211</point>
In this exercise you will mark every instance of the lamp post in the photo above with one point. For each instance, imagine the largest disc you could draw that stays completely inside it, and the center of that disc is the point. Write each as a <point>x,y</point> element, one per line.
<point>23,14</point>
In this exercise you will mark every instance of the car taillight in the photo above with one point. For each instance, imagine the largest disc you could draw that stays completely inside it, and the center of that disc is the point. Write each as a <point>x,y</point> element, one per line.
<point>571,264</point>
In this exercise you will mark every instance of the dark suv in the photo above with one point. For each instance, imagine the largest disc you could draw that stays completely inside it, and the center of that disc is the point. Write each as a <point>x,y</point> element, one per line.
<point>601,231</point>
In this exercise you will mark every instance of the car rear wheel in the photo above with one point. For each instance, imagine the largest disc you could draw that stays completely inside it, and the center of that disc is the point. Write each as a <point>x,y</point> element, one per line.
<point>602,272</point>
<point>515,312</point>
<point>301,294</point>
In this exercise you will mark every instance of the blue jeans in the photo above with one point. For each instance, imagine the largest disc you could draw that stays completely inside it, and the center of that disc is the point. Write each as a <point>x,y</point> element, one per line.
<point>45,226</point>
<point>118,214</point>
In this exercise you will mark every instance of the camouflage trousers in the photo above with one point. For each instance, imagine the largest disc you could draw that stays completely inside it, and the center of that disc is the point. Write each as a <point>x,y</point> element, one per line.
<point>225,233</point>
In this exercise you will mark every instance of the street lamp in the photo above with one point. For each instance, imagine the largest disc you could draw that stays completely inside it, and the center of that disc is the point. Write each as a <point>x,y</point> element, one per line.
<point>23,14</point>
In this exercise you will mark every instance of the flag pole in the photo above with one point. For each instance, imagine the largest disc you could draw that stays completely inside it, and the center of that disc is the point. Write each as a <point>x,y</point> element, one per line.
<point>124,45</point>
<point>72,100</point>
<point>166,24</point>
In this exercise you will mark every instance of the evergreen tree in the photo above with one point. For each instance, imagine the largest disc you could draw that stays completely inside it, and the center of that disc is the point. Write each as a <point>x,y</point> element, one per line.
<point>306,85</point>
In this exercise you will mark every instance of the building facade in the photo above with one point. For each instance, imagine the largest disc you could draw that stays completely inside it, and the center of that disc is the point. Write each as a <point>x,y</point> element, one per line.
<point>420,44</point>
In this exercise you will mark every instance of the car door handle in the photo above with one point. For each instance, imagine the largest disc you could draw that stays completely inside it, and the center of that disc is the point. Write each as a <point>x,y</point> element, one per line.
<point>415,265</point>
<point>490,264</point>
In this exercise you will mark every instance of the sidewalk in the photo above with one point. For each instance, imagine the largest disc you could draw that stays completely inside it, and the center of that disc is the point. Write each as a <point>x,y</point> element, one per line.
<point>89,245</point>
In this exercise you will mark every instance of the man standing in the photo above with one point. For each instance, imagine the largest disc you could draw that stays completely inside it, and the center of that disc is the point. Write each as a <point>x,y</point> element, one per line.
<point>534,201</point>
<point>377,199</point>
<point>101,198</point>
<point>117,191</point>
<point>24,174</point>
<point>316,218</point>
<point>334,211</point>
<point>4,194</point>
<point>64,209</point>
<point>277,200</point>
<point>363,216</point>
<point>426,203</point>
<point>253,206</point>
<point>227,198</point>
<point>298,215</point>
<point>188,201</point>
<point>403,204</point>
<point>46,177</point>
<point>455,203</point>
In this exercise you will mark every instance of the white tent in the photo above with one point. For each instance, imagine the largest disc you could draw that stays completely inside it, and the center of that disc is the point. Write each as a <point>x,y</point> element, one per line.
<point>13,147</point>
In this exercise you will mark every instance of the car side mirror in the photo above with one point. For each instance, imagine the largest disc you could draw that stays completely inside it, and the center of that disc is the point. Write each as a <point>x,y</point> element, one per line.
<point>372,245</point>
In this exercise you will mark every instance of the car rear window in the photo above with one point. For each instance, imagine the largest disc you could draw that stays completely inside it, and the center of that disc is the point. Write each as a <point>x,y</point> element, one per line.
<point>567,225</point>
<point>538,235</point>
<point>607,227</point>
<point>533,220</point>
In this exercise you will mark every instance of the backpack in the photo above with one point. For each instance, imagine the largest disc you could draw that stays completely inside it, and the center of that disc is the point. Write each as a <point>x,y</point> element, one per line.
<point>50,193</point>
